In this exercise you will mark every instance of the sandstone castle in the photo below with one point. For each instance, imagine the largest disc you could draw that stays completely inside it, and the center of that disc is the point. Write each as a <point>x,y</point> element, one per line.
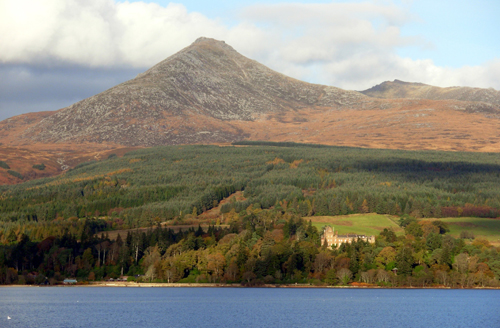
<point>333,239</point>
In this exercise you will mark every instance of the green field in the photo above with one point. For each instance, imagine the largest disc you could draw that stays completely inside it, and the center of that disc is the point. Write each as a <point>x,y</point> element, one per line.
<point>373,224</point>
<point>367,224</point>
<point>485,228</point>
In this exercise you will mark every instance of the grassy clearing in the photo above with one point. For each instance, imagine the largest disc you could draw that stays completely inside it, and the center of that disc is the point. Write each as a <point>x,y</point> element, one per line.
<point>485,228</point>
<point>368,224</point>
<point>373,224</point>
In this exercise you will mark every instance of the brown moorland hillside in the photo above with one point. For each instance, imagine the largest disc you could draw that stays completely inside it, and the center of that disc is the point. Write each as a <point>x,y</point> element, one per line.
<point>209,93</point>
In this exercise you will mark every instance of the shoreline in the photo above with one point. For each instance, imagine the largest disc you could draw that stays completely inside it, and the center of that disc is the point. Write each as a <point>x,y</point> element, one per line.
<point>222,285</point>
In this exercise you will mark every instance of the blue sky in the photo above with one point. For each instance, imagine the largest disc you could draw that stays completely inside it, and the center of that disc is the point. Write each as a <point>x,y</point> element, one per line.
<point>57,52</point>
<point>459,32</point>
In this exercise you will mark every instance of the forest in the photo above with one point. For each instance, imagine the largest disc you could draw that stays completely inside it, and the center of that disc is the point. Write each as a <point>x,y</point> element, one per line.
<point>259,247</point>
<point>57,227</point>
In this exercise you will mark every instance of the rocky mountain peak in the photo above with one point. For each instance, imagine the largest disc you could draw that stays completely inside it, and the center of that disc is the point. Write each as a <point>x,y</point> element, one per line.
<point>204,41</point>
<point>206,79</point>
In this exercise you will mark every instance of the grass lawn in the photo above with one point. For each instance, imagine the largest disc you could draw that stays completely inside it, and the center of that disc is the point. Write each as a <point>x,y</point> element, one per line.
<point>488,229</point>
<point>362,224</point>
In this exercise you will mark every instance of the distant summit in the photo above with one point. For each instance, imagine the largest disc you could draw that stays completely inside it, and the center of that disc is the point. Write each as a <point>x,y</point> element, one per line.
<point>401,89</point>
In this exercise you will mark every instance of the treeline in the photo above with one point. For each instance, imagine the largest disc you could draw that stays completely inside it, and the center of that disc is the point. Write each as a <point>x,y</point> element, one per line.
<point>258,247</point>
<point>180,182</point>
<point>280,144</point>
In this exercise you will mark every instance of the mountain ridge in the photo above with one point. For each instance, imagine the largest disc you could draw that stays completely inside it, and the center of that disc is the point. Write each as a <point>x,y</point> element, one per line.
<point>402,89</point>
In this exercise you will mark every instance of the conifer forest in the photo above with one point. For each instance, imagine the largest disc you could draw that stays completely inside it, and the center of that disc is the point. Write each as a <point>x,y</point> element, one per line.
<point>144,216</point>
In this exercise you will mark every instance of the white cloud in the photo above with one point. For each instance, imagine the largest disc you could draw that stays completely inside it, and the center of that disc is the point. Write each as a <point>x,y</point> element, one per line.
<point>97,32</point>
<point>354,46</point>
<point>349,45</point>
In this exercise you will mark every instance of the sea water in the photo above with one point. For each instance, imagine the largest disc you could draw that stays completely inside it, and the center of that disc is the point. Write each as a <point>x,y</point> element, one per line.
<point>247,307</point>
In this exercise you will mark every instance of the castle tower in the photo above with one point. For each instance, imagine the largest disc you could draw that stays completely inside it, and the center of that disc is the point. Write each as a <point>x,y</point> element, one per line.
<point>328,235</point>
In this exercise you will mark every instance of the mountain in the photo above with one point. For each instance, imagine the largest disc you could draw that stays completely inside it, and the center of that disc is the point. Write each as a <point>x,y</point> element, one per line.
<point>208,93</point>
<point>171,102</point>
<point>401,89</point>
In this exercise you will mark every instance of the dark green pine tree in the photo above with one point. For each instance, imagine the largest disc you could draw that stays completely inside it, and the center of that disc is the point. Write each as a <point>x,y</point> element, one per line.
<point>404,261</point>
<point>354,262</point>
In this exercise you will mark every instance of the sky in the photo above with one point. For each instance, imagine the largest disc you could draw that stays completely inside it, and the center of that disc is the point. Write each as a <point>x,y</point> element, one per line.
<point>54,53</point>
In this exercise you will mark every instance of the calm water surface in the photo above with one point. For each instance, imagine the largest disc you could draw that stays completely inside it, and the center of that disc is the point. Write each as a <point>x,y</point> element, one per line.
<point>247,307</point>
